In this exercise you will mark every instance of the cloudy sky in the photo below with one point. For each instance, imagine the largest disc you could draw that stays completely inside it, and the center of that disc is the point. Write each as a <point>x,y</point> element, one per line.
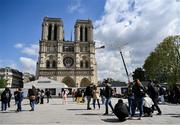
<point>133,26</point>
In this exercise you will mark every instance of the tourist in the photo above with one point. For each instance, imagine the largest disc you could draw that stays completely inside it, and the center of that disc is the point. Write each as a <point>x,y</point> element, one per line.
<point>139,92</point>
<point>130,97</point>
<point>42,97</point>
<point>9,99</point>
<point>121,110</point>
<point>102,95</point>
<point>88,94</point>
<point>4,99</point>
<point>32,98</point>
<point>19,98</point>
<point>48,95</point>
<point>147,106</point>
<point>108,95</point>
<point>153,94</point>
<point>64,94</point>
<point>96,94</point>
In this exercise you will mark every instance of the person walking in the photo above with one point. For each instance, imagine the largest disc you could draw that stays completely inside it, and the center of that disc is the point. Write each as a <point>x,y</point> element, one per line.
<point>42,97</point>
<point>153,94</point>
<point>96,94</point>
<point>48,95</point>
<point>102,95</point>
<point>139,92</point>
<point>4,99</point>
<point>32,98</point>
<point>88,94</point>
<point>19,98</point>
<point>130,97</point>
<point>108,95</point>
<point>9,99</point>
<point>64,95</point>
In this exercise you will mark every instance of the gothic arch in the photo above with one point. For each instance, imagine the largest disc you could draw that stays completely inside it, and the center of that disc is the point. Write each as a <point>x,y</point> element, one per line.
<point>69,81</point>
<point>47,64</point>
<point>85,82</point>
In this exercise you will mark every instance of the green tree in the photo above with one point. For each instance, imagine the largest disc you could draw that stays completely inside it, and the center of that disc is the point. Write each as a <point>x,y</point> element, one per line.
<point>3,83</point>
<point>139,74</point>
<point>163,64</point>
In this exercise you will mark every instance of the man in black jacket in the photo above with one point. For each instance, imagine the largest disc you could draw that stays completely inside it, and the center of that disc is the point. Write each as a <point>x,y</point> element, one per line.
<point>88,94</point>
<point>121,110</point>
<point>108,94</point>
<point>153,94</point>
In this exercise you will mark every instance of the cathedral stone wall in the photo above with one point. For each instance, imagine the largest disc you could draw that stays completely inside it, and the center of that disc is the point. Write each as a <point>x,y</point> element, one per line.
<point>71,62</point>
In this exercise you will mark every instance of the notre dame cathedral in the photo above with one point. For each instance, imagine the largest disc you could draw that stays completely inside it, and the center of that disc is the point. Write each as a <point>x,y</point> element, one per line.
<point>71,62</point>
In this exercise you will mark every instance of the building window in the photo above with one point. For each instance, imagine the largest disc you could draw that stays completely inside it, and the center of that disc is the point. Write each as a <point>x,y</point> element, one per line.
<point>68,48</point>
<point>81,64</point>
<point>55,32</point>
<point>87,64</point>
<point>54,64</point>
<point>47,64</point>
<point>86,34</point>
<point>49,32</point>
<point>81,33</point>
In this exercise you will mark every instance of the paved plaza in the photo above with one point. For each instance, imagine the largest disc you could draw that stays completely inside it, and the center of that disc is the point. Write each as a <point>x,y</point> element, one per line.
<point>72,113</point>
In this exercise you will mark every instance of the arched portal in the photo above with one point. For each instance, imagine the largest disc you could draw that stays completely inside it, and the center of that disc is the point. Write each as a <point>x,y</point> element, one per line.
<point>85,82</point>
<point>69,81</point>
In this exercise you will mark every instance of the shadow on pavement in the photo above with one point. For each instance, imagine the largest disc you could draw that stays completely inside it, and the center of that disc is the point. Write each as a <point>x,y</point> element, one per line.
<point>89,114</point>
<point>14,111</point>
<point>112,120</point>
<point>173,115</point>
<point>75,109</point>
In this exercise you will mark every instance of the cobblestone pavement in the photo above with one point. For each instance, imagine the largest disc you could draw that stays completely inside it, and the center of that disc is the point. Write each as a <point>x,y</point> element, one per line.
<point>72,113</point>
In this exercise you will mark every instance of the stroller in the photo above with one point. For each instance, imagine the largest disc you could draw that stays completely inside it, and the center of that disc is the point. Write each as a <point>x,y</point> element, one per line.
<point>147,106</point>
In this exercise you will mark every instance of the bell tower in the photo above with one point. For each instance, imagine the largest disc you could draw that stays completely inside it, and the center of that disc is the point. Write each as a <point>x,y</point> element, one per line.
<point>52,35</point>
<point>85,48</point>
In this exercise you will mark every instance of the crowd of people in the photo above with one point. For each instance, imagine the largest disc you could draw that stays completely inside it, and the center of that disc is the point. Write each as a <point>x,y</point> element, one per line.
<point>146,99</point>
<point>35,96</point>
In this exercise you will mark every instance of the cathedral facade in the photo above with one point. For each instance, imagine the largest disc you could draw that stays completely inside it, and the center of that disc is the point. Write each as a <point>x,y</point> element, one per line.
<point>71,62</point>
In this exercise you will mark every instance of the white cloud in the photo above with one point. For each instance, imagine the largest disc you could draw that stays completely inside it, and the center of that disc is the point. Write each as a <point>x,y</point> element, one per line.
<point>28,65</point>
<point>31,50</point>
<point>8,63</point>
<point>143,24</point>
<point>18,45</point>
<point>75,6</point>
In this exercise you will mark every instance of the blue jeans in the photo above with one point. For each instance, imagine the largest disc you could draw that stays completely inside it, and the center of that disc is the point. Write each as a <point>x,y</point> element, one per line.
<point>19,108</point>
<point>130,103</point>
<point>4,105</point>
<point>32,104</point>
<point>108,102</point>
<point>88,101</point>
<point>102,99</point>
<point>138,102</point>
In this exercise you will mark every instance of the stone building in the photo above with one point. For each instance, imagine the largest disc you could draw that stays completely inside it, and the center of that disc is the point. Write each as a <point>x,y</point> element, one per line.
<point>13,77</point>
<point>27,77</point>
<point>71,62</point>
